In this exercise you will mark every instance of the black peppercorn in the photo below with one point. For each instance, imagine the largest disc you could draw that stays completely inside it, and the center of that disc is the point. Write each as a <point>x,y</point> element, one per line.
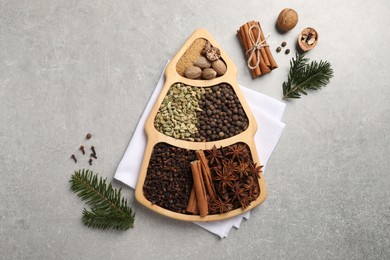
<point>284,44</point>
<point>220,109</point>
<point>287,51</point>
<point>278,49</point>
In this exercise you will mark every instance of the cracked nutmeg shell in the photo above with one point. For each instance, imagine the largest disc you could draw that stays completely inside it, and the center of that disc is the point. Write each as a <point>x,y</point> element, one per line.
<point>206,47</point>
<point>287,19</point>
<point>213,54</point>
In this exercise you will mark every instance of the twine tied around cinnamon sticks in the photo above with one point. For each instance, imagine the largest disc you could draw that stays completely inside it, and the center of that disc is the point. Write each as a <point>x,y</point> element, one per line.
<point>257,45</point>
<point>258,54</point>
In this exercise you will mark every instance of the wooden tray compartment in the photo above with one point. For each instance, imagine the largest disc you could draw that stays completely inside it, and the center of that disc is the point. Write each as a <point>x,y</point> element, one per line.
<point>154,136</point>
<point>201,114</point>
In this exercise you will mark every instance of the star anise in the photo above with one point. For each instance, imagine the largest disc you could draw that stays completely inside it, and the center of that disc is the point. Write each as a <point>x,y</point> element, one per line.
<point>255,170</point>
<point>229,165</point>
<point>252,188</point>
<point>245,202</point>
<point>225,177</point>
<point>249,183</point>
<point>243,168</point>
<point>238,191</point>
<point>237,151</point>
<point>255,192</point>
<point>214,155</point>
<point>224,195</point>
<point>220,206</point>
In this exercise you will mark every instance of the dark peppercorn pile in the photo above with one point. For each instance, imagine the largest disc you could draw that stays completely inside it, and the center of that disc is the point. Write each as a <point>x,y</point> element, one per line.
<point>222,115</point>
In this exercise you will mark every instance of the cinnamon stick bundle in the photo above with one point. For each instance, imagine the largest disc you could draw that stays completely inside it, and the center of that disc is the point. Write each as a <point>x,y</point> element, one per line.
<point>257,52</point>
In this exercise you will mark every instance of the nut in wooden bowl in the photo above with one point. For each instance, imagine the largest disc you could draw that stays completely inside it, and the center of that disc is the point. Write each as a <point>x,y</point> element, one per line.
<point>308,39</point>
<point>201,61</point>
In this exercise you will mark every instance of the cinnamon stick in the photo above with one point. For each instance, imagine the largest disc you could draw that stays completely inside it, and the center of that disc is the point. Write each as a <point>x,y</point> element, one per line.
<point>263,53</point>
<point>267,50</point>
<point>241,37</point>
<point>263,67</point>
<point>206,174</point>
<point>199,187</point>
<point>192,206</point>
<point>250,45</point>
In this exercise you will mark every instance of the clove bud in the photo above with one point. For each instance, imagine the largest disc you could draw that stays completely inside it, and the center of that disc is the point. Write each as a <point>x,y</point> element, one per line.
<point>82,149</point>
<point>93,150</point>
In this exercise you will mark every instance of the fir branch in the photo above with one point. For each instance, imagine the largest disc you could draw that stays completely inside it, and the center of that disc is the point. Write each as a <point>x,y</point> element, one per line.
<point>108,209</point>
<point>304,76</point>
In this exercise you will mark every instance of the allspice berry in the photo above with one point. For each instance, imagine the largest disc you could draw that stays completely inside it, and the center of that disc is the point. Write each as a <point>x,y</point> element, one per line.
<point>287,20</point>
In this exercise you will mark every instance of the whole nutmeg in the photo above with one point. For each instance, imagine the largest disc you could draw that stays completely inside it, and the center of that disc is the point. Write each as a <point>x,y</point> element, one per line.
<point>209,73</point>
<point>220,67</point>
<point>202,62</point>
<point>287,19</point>
<point>193,72</point>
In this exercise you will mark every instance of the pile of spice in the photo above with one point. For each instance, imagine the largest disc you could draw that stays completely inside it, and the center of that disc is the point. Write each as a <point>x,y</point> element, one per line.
<point>234,178</point>
<point>190,55</point>
<point>201,61</point>
<point>201,113</point>
<point>206,182</point>
<point>82,149</point>
<point>168,181</point>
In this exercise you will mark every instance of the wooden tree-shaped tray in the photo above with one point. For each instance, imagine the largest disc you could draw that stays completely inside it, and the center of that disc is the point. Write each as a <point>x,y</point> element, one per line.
<point>156,137</point>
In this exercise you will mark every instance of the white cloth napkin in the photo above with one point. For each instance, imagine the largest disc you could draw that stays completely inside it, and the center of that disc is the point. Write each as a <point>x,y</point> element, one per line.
<point>267,112</point>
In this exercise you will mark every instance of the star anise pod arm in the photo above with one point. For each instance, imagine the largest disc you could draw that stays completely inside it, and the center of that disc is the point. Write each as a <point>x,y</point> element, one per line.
<point>220,206</point>
<point>214,156</point>
<point>255,170</point>
<point>238,151</point>
<point>224,177</point>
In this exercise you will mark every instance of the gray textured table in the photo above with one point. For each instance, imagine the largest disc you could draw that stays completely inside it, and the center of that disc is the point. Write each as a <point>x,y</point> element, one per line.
<point>72,67</point>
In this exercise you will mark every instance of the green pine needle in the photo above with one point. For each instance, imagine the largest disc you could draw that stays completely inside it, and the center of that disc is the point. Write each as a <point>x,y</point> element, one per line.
<point>304,76</point>
<point>108,209</point>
